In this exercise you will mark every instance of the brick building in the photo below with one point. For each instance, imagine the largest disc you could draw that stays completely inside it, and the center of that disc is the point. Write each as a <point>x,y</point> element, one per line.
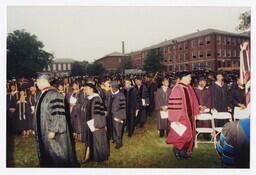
<point>112,61</point>
<point>60,67</point>
<point>137,59</point>
<point>209,49</point>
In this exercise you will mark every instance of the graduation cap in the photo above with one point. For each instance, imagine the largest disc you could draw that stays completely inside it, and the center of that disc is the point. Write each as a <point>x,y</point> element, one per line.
<point>91,85</point>
<point>182,74</point>
<point>115,84</point>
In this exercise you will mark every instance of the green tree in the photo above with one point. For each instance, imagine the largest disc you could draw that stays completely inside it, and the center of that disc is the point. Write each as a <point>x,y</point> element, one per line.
<point>25,55</point>
<point>79,68</point>
<point>245,21</point>
<point>95,68</point>
<point>152,62</point>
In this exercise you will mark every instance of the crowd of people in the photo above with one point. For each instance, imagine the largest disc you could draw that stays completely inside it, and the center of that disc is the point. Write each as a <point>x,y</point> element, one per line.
<point>98,110</point>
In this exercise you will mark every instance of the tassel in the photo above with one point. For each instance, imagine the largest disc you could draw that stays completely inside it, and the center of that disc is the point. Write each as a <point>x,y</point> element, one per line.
<point>24,112</point>
<point>19,110</point>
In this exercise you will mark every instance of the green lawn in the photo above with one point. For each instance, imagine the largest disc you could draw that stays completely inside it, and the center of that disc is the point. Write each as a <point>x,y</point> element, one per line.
<point>144,150</point>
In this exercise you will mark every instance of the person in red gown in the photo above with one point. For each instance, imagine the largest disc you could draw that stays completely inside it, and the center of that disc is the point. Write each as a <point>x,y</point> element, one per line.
<point>182,108</point>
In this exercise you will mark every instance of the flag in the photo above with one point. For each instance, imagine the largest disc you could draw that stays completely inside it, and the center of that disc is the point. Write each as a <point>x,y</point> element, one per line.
<point>245,67</point>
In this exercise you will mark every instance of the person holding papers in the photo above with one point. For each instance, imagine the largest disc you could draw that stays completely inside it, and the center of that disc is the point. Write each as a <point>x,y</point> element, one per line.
<point>118,113</point>
<point>97,148</point>
<point>55,146</point>
<point>161,106</point>
<point>182,108</point>
<point>142,101</point>
<point>130,93</point>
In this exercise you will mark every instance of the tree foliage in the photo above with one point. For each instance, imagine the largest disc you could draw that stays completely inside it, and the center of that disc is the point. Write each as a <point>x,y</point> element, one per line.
<point>25,55</point>
<point>95,68</point>
<point>79,68</point>
<point>152,62</point>
<point>245,21</point>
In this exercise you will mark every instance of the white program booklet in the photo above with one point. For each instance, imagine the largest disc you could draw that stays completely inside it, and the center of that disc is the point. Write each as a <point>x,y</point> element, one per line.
<point>90,123</point>
<point>143,102</point>
<point>137,112</point>
<point>178,128</point>
<point>164,114</point>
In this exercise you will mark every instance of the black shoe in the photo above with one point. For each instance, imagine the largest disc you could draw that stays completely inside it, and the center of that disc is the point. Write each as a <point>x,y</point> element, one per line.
<point>185,155</point>
<point>161,133</point>
<point>113,141</point>
<point>118,146</point>
<point>177,154</point>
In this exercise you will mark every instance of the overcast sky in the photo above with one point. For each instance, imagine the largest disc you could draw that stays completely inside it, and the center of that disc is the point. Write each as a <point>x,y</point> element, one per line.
<point>89,33</point>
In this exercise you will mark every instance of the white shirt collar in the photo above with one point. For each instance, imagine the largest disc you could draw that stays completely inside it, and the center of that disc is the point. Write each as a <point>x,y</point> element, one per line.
<point>114,93</point>
<point>93,95</point>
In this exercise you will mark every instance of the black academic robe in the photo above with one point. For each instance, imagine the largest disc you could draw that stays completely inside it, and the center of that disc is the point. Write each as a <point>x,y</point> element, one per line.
<point>97,141</point>
<point>23,114</point>
<point>11,101</point>
<point>131,107</point>
<point>220,97</point>
<point>204,97</point>
<point>75,113</point>
<point>50,116</point>
<point>83,101</point>
<point>118,113</point>
<point>142,93</point>
<point>32,99</point>
<point>152,87</point>
<point>237,96</point>
<point>107,103</point>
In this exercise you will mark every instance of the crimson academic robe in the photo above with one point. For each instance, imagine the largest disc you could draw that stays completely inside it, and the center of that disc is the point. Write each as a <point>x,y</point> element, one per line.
<point>182,107</point>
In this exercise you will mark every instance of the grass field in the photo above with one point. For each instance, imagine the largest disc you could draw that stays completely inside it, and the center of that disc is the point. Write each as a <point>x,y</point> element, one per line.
<point>144,150</point>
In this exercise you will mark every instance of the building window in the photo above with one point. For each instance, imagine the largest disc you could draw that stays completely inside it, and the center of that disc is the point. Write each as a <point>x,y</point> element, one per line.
<point>224,40</point>
<point>69,66</point>
<point>200,42</point>
<point>218,39</point>
<point>180,46</point>
<point>219,64</point>
<point>234,53</point>
<point>229,41</point>
<point>193,66</point>
<point>49,68</point>
<point>64,66</point>
<point>229,53</point>
<point>185,57</point>
<point>194,55</point>
<point>181,67</point>
<point>219,53</point>
<point>193,43</point>
<point>201,54</point>
<point>239,41</point>
<point>208,40</point>
<point>234,41</point>
<point>185,45</point>
<point>59,67</point>
<point>208,53</point>
<point>224,52</point>
<point>174,58</point>
<point>170,68</point>
<point>54,67</point>
<point>179,58</point>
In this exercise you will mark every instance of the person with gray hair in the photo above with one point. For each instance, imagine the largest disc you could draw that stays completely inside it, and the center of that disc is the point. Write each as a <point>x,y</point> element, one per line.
<point>118,113</point>
<point>55,147</point>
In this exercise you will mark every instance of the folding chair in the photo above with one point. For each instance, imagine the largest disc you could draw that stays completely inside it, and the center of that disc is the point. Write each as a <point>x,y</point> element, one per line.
<point>204,130</point>
<point>220,116</point>
<point>241,113</point>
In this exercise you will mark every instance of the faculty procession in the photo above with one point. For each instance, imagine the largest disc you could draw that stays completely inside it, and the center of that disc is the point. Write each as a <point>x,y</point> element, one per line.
<point>99,110</point>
